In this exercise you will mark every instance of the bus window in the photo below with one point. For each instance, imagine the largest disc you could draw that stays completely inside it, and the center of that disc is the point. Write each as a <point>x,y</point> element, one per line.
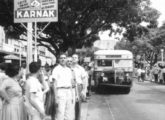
<point>123,63</point>
<point>104,62</point>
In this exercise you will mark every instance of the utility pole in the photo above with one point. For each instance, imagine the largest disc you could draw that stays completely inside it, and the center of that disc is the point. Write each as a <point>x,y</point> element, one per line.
<point>29,45</point>
<point>35,51</point>
<point>162,51</point>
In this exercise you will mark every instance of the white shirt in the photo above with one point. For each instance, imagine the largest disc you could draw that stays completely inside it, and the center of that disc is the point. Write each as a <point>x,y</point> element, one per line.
<point>3,76</point>
<point>34,86</point>
<point>80,74</point>
<point>139,71</point>
<point>63,76</point>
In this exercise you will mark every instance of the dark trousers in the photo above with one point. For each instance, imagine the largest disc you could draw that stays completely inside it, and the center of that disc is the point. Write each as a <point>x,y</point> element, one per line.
<point>163,77</point>
<point>89,85</point>
<point>143,76</point>
<point>156,77</point>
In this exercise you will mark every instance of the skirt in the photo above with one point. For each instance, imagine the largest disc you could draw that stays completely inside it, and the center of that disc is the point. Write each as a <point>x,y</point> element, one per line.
<point>50,103</point>
<point>14,110</point>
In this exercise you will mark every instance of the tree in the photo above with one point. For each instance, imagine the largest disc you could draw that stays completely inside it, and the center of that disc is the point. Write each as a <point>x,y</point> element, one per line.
<point>81,20</point>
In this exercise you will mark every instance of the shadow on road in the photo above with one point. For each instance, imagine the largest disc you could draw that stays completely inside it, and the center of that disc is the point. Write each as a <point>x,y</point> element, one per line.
<point>149,101</point>
<point>112,90</point>
<point>147,92</point>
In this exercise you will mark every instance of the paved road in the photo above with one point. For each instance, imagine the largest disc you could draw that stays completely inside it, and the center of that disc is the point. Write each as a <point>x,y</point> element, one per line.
<point>146,101</point>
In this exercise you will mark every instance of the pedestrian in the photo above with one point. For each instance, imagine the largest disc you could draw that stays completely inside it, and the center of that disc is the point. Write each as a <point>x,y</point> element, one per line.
<point>156,73</point>
<point>63,76</point>
<point>50,102</point>
<point>74,87</point>
<point>91,66</point>
<point>139,71</point>
<point>11,92</point>
<point>85,82</point>
<point>3,76</point>
<point>34,93</point>
<point>163,75</point>
<point>142,74</point>
<point>80,78</point>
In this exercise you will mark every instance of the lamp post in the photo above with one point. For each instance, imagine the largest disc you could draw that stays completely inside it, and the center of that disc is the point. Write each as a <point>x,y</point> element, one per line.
<point>20,52</point>
<point>162,51</point>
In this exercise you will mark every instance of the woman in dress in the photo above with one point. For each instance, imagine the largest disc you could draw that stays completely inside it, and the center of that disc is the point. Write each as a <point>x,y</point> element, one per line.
<point>50,102</point>
<point>11,92</point>
<point>3,76</point>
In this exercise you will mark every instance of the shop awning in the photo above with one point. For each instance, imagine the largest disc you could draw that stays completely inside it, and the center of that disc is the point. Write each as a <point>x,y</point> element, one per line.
<point>11,57</point>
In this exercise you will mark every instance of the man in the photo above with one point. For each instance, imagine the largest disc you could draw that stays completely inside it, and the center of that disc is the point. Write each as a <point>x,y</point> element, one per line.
<point>74,87</point>
<point>62,76</point>
<point>163,74</point>
<point>80,78</point>
<point>139,71</point>
<point>156,73</point>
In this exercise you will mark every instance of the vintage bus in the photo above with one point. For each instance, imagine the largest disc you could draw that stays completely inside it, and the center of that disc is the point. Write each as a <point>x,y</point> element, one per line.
<point>113,69</point>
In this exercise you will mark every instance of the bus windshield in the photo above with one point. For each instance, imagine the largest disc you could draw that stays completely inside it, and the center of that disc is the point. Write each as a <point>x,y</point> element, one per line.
<point>104,63</point>
<point>123,63</point>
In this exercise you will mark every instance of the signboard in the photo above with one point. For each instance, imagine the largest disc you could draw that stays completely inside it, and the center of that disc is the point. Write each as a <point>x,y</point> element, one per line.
<point>8,61</point>
<point>35,10</point>
<point>87,59</point>
<point>113,56</point>
<point>105,44</point>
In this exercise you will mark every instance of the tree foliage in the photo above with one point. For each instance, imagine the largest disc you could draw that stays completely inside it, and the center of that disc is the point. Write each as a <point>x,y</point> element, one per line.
<point>149,45</point>
<point>81,20</point>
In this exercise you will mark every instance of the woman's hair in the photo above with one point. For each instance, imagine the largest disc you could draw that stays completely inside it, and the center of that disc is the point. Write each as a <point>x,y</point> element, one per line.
<point>34,67</point>
<point>12,69</point>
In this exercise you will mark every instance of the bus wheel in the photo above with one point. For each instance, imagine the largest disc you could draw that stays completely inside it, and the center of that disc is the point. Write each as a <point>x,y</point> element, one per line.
<point>98,90</point>
<point>127,91</point>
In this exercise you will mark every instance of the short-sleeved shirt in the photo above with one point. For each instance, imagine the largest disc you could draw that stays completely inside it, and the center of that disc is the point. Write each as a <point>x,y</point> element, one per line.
<point>156,70</point>
<point>139,71</point>
<point>63,76</point>
<point>80,74</point>
<point>34,86</point>
<point>3,76</point>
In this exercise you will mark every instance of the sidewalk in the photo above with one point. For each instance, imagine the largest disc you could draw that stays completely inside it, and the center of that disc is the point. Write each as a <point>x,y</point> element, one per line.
<point>84,111</point>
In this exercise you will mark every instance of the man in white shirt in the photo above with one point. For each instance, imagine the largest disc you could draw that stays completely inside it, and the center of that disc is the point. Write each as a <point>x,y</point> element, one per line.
<point>63,76</point>
<point>80,76</point>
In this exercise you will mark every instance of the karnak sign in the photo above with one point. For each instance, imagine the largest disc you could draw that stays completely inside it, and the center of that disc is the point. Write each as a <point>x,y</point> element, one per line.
<point>35,10</point>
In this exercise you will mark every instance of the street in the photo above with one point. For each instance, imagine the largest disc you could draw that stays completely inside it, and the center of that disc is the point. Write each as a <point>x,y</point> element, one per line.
<point>146,101</point>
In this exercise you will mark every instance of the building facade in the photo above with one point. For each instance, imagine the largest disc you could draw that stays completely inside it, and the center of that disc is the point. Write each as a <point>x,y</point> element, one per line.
<point>18,48</point>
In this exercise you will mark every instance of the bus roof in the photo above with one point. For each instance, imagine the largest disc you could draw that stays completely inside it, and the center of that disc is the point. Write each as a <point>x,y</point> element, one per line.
<point>113,52</point>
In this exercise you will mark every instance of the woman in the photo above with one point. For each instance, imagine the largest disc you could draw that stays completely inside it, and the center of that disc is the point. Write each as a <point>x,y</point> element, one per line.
<point>11,92</point>
<point>50,102</point>
<point>3,76</point>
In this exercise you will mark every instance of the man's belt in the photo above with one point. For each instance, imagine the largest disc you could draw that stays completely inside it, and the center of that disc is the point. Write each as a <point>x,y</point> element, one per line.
<point>79,84</point>
<point>63,87</point>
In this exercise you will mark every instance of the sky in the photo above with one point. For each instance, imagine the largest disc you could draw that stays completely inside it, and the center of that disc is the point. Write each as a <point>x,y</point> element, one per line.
<point>157,4</point>
<point>160,6</point>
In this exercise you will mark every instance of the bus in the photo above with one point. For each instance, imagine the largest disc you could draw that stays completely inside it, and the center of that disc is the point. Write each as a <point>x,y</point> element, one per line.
<point>113,69</point>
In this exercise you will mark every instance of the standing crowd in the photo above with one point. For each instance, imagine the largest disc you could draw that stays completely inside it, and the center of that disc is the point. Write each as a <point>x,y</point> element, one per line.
<point>154,73</point>
<point>44,93</point>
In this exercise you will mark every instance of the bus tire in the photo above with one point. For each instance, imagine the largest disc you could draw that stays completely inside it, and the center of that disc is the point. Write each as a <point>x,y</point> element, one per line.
<point>127,91</point>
